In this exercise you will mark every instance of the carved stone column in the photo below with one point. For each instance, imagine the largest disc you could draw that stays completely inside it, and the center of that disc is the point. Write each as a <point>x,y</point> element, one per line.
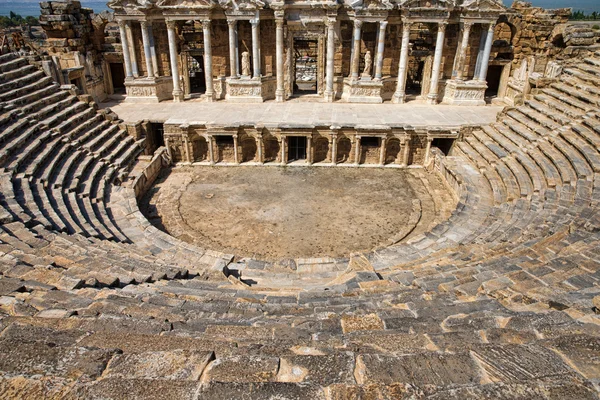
<point>283,150</point>
<point>280,91</point>
<point>480,53</point>
<point>235,149</point>
<point>461,52</point>
<point>400,93</point>
<point>177,93</point>
<point>485,58</point>
<point>356,49</point>
<point>334,148</point>
<point>309,150</point>
<point>406,152</point>
<point>259,149</point>
<point>329,93</point>
<point>211,152</point>
<point>427,151</point>
<point>380,48</point>
<point>255,47</point>
<point>134,65</point>
<point>233,48</point>
<point>208,72</point>
<point>147,53</point>
<point>357,150</point>
<point>382,151</point>
<point>125,45</point>
<point>153,50</point>
<point>437,63</point>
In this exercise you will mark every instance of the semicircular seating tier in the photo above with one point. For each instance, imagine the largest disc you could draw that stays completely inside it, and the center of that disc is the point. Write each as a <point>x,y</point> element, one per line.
<point>495,302</point>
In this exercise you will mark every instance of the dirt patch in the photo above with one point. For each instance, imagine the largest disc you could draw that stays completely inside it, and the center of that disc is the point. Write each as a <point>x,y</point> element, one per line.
<point>273,213</point>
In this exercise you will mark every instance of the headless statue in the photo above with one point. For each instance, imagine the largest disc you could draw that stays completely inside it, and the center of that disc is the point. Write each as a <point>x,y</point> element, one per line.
<point>245,64</point>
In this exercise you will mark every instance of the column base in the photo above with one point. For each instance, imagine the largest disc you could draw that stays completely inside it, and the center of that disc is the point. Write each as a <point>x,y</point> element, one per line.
<point>279,95</point>
<point>329,97</point>
<point>465,93</point>
<point>251,90</point>
<point>178,97</point>
<point>432,99</point>
<point>208,97</point>
<point>149,90</point>
<point>398,98</point>
<point>362,91</point>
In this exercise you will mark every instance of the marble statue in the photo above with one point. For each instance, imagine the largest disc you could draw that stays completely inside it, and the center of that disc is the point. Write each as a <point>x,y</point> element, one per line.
<point>368,64</point>
<point>245,63</point>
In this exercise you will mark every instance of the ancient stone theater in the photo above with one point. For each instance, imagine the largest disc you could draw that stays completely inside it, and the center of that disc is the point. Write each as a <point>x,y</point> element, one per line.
<point>336,199</point>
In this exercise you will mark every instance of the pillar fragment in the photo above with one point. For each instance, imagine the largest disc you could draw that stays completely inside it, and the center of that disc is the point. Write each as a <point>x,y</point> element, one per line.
<point>400,93</point>
<point>208,72</point>
<point>357,150</point>
<point>134,65</point>
<point>255,47</point>
<point>485,58</point>
<point>329,93</point>
<point>437,63</point>
<point>177,93</point>
<point>380,48</point>
<point>382,152</point>
<point>356,49</point>
<point>126,54</point>
<point>147,53</point>
<point>461,52</point>
<point>280,91</point>
<point>235,149</point>
<point>233,48</point>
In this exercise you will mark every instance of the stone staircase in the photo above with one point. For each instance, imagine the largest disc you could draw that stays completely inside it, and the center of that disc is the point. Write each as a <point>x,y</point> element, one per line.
<point>496,302</point>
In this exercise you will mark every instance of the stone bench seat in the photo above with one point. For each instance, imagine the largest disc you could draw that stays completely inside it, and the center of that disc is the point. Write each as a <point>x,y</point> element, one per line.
<point>87,181</point>
<point>593,123</point>
<point>37,163</point>
<point>547,111</point>
<point>101,137</point>
<point>61,116</point>
<point>11,65</point>
<point>593,138</point>
<point>16,95</point>
<point>576,159</point>
<point>17,72</point>
<point>21,81</point>
<point>72,203</point>
<point>107,147</point>
<point>74,121</point>
<point>536,175</point>
<point>56,197</point>
<point>119,148</point>
<point>10,131</point>
<point>525,118</point>
<point>73,181</point>
<point>591,69</point>
<point>56,163</point>
<point>551,174</point>
<point>562,164</point>
<point>467,151</point>
<point>34,142</point>
<point>53,216</point>
<point>39,105</point>
<point>590,153</point>
<point>582,93</point>
<point>582,75</point>
<point>87,211</point>
<point>559,106</point>
<point>69,166</point>
<point>24,195</point>
<point>570,99</point>
<point>33,96</point>
<point>128,156</point>
<point>500,135</point>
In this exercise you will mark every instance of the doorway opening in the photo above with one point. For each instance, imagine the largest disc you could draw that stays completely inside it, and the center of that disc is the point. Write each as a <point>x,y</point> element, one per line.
<point>297,148</point>
<point>118,77</point>
<point>155,136</point>
<point>414,78</point>
<point>195,68</point>
<point>444,144</point>
<point>306,53</point>
<point>493,80</point>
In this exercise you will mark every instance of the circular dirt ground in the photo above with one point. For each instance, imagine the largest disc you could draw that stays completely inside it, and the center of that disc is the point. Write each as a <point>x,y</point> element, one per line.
<point>273,213</point>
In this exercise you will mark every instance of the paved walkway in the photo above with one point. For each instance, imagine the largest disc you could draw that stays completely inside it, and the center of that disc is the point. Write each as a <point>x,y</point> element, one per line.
<point>414,114</point>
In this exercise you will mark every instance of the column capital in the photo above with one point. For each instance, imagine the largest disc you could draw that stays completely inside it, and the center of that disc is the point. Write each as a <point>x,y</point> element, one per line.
<point>171,24</point>
<point>442,26</point>
<point>231,22</point>
<point>467,24</point>
<point>279,23</point>
<point>383,24</point>
<point>205,23</point>
<point>491,26</point>
<point>357,23</point>
<point>121,23</point>
<point>279,14</point>
<point>254,22</point>
<point>144,24</point>
<point>330,22</point>
<point>406,25</point>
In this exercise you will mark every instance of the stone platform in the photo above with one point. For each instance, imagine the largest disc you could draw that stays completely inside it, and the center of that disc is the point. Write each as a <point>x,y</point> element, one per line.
<point>414,114</point>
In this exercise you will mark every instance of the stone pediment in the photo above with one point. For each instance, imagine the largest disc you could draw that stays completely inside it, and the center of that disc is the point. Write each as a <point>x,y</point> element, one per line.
<point>186,3</point>
<point>483,5</point>
<point>425,4</point>
<point>241,5</point>
<point>370,4</point>
<point>137,4</point>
